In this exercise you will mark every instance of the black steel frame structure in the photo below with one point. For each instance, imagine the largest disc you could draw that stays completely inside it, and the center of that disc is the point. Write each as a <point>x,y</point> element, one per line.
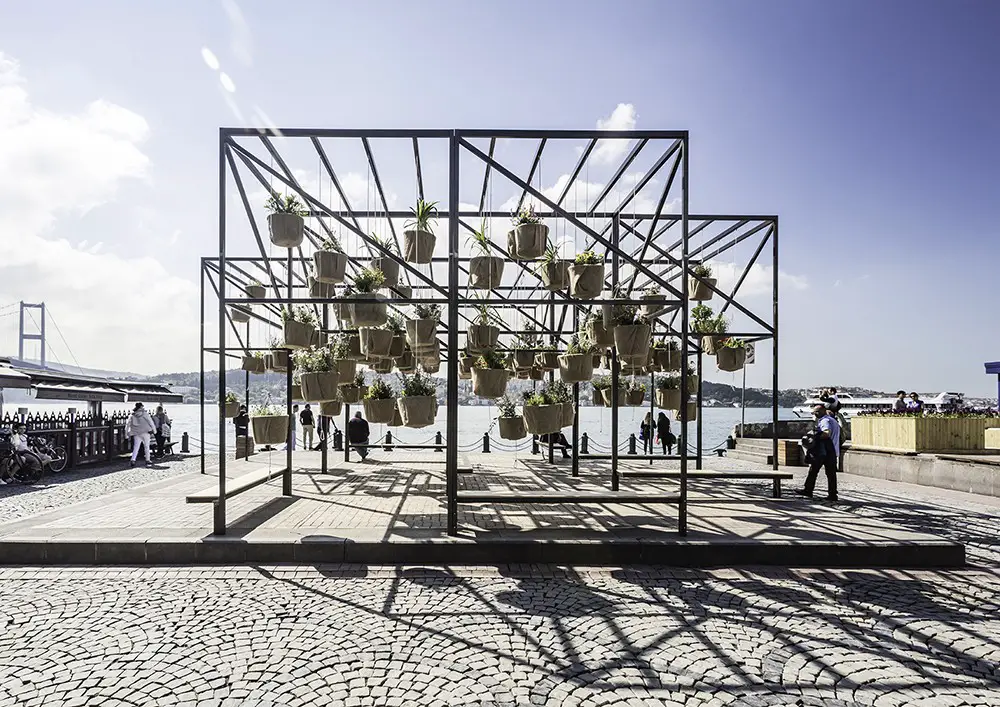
<point>657,246</point>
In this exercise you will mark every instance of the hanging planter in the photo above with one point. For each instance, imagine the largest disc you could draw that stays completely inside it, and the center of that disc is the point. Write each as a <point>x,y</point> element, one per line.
<point>285,224</point>
<point>353,342</point>
<point>321,290</point>
<point>576,368</point>
<point>567,415</point>
<point>731,358</point>
<point>489,382</point>
<point>397,419</point>
<point>554,275</point>
<point>465,367</point>
<point>239,314</point>
<point>342,311</point>
<point>350,393</point>
<point>630,370</point>
<point>543,419</point>
<point>512,427</point>
<point>270,429</point>
<point>431,363</point>
<point>596,359</point>
<point>231,408</point>
<point>482,337</point>
<point>320,386</point>
<point>547,360</point>
<point>379,410</point>
<point>668,398</point>
<point>297,393</point>
<point>331,408</point>
<point>318,338</point>
<point>398,345</point>
<point>653,304</point>
<point>692,412</point>
<point>536,374</point>
<point>597,397</point>
<point>382,365</point>
<point>667,359</point>
<point>523,374</point>
<point>347,368</point>
<point>421,332</point>
<point>279,359</point>
<point>329,265</point>
<point>531,236</point>
<point>367,310</point>
<point>632,342</point>
<point>255,291</point>
<point>485,272</point>
<point>692,385</point>
<point>418,246</point>
<point>375,342</point>
<point>700,284</point>
<point>712,344</point>
<point>298,334</point>
<point>253,364</point>
<point>607,396</point>
<point>417,411</point>
<point>600,333</point>
<point>523,359</point>
<point>635,396</point>
<point>389,268</point>
<point>404,292</point>
<point>406,363</point>
<point>586,275</point>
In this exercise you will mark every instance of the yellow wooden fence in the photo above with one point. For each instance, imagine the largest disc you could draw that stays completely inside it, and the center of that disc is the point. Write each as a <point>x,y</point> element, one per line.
<point>921,434</point>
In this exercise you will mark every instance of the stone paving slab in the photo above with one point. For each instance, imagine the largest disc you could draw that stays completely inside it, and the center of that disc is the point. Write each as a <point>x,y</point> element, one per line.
<point>395,512</point>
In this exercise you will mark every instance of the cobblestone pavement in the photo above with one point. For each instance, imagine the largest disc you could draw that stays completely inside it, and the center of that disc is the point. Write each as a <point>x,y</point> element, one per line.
<point>530,635</point>
<point>76,485</point>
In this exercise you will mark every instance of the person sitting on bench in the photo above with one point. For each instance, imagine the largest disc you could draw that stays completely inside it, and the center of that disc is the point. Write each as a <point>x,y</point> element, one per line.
<point>558,440</point>
<point>358,433</point>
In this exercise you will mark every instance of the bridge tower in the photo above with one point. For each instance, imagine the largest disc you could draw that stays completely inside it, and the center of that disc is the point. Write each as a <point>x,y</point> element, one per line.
<point>37,333</point>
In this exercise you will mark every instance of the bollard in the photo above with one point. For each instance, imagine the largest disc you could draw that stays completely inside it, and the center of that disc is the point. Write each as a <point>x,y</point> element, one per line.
<point>338,441</point>
<point>631,443</point>
<point>584,444</point>
<point>438,442</point>
<point>186,442</point>
<point>534,444</point>
<point>388,441</point>
<point>486,442</point>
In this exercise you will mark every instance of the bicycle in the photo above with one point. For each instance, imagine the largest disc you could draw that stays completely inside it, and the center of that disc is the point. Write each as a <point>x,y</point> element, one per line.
<point>56,454</point>
<point>16,467</point>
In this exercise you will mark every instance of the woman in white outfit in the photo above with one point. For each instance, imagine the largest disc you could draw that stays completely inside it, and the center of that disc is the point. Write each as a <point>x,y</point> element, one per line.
<point>139,427</point>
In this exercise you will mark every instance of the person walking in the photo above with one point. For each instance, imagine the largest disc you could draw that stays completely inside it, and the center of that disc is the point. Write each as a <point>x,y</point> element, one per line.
<point>646,433</point>
<point>358,433</point>
<point>900,404</point>
<point>822,446</point>
<point>308,427</point>
<point>294,422</point>
<point>162,422</point>
<point>664,434</point>
<point>139,427</point>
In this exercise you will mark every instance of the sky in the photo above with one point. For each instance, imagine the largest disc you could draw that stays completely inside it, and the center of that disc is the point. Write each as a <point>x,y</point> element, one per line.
<point>870,129</point>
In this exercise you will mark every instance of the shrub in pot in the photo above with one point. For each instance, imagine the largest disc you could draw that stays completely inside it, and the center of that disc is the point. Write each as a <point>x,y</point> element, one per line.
<point>231,405</point>
<point>614,310</point>
<point>418,401</point>
<point>342,308</point>
<point>352,391</point>
<point>562,395</point>
<point>279,355</point>
<point>667,355</point>
<point>254,363</point>
<point>547,357</point>
<point>481,335</point>
<point>270,424</point>
<point>489,375</point>
<point>465,362</point>
<point>239,314</point>
<point>299,323</point>
<point>700,283</point>
<point>597,386</point>
<point>421,331</point>
<point>577,364</point>
<point>297,393</point>
<point>379,401</point>
<point>600,332</point>
<point>331,408</point>
<point>692,380</point>
<point>366,309</point>
<point>732,355</point>
<point>388,264</point>
<point>635,393</point>
<point>319,374</point>
<point>511,424</point>
<point>485,270</point>
<point>523,355</point>
<point>352,342</point>
<point>541,414</point>
<point>255,290</point>
<point>530,235</point>
<point>586,275</point>
<point>430,361</point>
<point>419,239</point>
<point>330,262</point>
<point>553,271</point>
<point>397,419</point>
<point>285,222</point>
<point>668,392</point>
<point>375,342</point>
<point>713,328</point>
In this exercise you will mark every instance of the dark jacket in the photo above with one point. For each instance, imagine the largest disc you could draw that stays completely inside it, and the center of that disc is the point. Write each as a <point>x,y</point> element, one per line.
<point>241,422</point>
<point>306,418</point>
<point>357,430</point>
<point>663,427</point>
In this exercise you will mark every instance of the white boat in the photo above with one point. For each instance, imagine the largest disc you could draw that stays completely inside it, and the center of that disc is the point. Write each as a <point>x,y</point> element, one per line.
<point>850,405</point>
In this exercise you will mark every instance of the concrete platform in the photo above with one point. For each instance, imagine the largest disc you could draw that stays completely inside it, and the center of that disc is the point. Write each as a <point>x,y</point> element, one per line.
<point>392,510</point>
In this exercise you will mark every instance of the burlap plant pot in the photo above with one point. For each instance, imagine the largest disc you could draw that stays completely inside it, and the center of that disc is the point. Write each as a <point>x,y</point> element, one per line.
<point>379,410</point>
<point>431,363</point>
<point>523,374</point>
<point>318,338</point>
<point>375,342</point>
<point>286,230</point>
<point>331,408</point>
<point>586,281</point>
<point>635,397</point>
<point>606,394</point>
<point>632,342</point>
<point>531,240</point>
<point>397,419</point>
<point>239,314</point>
<point>347,368</point>
<point>350,393</point>
<point>389,268</point>
<point>279,359</point>
<point>417,411</point>
<point>566,415</point>
<point>654,306</point>
<point>700,291</point>
<point>268,362</point>
<point>489,382</point>
<point>418,246</point>
<point>523,360</point>
<point>342,311</point>
<point>601,334</point>
<point>711,344</point>
<point>403,292</point>
<point>321,290</point>
<point>612,311</point>
<point>692,412</point>
<point>330,266</point>
<point>354,347</point>
<point>630,370</point>
<point>253,364</point>
<point>297,393</point>
<point>555,275</point>
<point>485,271</point>
<point>231,410</point>
<point>270,429</point>
<point>367,310</point>
<point>465,367</point>
<point>512,428</point>
<point>542,419</point>
<point>730,359</point>
<point>547,360</point>
<point>482,337</point>
<point>382,365</point>
<point>321,386</point>
<point>420,333</point>
<point>398,346</point>
<point>692,384</point>
<point>406,363</point>
<point>668,398</point>
<point>536,374</point>
<point>576,368</point>
<point>667,360</point>
<point>598,397</point>
<point>297,334</point>
<point>255,291</point>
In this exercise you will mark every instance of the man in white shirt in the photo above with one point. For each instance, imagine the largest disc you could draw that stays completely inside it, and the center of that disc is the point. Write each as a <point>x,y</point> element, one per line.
<point>826,455</point>
<point>20,441</point>
<point>140,427</point>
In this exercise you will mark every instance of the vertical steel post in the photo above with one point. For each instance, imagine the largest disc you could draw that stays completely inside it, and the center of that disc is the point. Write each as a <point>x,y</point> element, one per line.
<point>774,351</point>
<point>451,455</point>
<point>652,398</point>
<point>576,408</point>
<point>347,437</point>
<point>682,524</point>
<point>552,374</point>
<point>697,462</point>
<point>286,478</point>
<point>246,378</point>
<point>201,364</point>
<point>324,421</point>
<point>615,368</point>
<point>220,505</point>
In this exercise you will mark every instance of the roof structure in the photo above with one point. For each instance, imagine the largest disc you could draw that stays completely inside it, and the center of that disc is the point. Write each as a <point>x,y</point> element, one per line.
<point>49,384</point>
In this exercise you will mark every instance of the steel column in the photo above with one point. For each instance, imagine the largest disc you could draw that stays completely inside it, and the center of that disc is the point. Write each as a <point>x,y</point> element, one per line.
<point>451,456</point>
<point>201,364</point>
<point>220,505</point>
<point>615,367</point>
<point>682,526</point>
<point>774,350</point>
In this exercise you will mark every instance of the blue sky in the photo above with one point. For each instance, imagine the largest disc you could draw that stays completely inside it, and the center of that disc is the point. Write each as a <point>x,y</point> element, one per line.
<point>870,128</point>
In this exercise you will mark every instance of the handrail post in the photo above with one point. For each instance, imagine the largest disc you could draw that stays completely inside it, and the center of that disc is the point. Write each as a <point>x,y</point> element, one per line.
<point>71,445</point>
<point>584,443</point>
<point>486,442</point>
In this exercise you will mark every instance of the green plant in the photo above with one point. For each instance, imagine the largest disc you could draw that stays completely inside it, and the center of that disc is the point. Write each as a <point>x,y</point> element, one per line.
<point>369,280</point>
<point>299,313</point>
<point>704,321</point>
<point>525,215</point>
<point>359,379</point>
<point>485,315</point>
<point>379,390</point>
<point>545,347</point>
<point>601,382</point>
<point>527,338</point>
<point>732,342</point>
<point>588,257</point>
<point>267,409</point>
<point>491,358</point>
<point>668,382</point>
<point>315,359</point>
<point>652,291</point>
<point>558,392</point>
<point>231,397</point>
<point>480,239</point>
<point>331,243</point>
<point>665,345</point>
<point>701,270</point>
<point>287,205</point>
<point>254,282</point>
<point>581,343</point>
<point>276,342</point>
<point>339,347</point>
<point>423,213</point>
<point>507,406</point>
<point>418,385</point>
<point>538,397</point>
<point>596,316</point>
<point>386,243</point>
<point>259,355</point>
<point>427,311</point>
<point>394,323</point>
<point>634,384</point>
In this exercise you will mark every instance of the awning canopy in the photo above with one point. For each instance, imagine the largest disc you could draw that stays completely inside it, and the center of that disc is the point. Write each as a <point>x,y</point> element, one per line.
<point>10,378</point>
<point>78,391</point>
<point>150,394</point>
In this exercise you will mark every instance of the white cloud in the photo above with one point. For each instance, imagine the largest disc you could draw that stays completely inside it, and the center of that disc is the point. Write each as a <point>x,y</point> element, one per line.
<point>758,282</point>
<point>115,310</point>
<point>623,117</point>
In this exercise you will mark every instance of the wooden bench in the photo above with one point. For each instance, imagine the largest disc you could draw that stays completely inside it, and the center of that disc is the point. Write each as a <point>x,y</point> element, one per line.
<point>565,497</point>
<point>776,477</point>
<point>237,485</point>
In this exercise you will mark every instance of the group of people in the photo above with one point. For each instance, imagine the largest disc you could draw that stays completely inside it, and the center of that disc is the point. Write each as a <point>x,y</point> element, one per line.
<point>358,431</point>
<point>659,432</point>
<point>901,404</point>
<point>143,428</point>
